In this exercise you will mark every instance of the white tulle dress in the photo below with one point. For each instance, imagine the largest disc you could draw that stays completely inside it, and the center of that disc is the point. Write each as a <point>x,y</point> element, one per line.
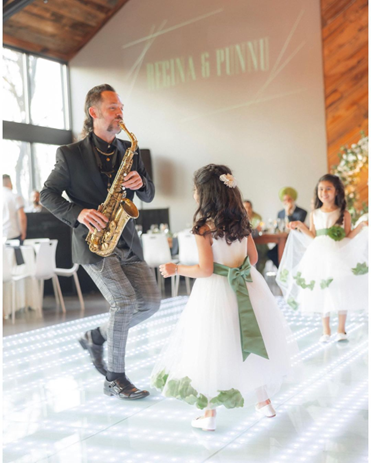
<point>323,275</point>
<point>203,363</point>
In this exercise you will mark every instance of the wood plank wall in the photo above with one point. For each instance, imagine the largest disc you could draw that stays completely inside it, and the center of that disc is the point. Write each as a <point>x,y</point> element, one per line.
<point>345,63</point>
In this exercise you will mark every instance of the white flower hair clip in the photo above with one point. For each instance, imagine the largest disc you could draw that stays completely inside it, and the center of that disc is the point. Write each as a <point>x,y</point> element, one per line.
<point>228,180</point>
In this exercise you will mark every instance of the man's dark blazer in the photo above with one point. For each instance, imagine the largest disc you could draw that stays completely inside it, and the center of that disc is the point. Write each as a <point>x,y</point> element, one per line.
<point>76,172</point>
<point>298,214</point>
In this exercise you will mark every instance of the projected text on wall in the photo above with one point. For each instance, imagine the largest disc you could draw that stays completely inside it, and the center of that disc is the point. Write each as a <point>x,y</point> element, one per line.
<point>241,58</point>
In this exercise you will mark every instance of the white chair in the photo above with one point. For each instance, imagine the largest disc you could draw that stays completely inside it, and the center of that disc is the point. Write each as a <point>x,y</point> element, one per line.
<point>72,272</point>
<point>63,272</point>
<point>45,269</point>
<point>33,241</point>
<point>13,242</point>
<point>9,279</point>
<point>188,255</point>
<point>156,251</point>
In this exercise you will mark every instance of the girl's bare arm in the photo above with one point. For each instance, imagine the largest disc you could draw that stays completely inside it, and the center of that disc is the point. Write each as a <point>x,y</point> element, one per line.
<point>311,231</point>
<point>359,227</point>
<point>251,251</point>
<point>205,266</point>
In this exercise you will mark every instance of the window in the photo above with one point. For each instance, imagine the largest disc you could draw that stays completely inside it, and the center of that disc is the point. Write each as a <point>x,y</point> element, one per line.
<point>34,90</point>
<point>16,162</point>
<point>43,161</point>
<point>35,93</point>
<point>46,93</point>
<point>14,98</point>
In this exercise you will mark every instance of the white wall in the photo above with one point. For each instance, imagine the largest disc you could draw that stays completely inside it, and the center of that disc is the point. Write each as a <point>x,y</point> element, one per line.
<point>267,121</point>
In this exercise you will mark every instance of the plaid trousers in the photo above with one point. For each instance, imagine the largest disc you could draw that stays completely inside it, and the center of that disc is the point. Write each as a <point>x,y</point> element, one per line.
<point>132,293</point>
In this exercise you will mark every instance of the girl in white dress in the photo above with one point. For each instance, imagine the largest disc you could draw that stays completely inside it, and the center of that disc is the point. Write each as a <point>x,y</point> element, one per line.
<point>230,345</point>
<point>324,268</point>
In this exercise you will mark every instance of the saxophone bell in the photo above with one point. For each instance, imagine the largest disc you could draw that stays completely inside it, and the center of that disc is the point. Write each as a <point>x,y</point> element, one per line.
<point>130,208</point>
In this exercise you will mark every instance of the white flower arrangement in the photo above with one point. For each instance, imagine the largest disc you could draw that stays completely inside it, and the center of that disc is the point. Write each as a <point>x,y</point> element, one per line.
<point>353,160</point>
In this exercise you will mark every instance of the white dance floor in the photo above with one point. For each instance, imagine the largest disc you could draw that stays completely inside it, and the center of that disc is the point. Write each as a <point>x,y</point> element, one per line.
<point>55,410</point>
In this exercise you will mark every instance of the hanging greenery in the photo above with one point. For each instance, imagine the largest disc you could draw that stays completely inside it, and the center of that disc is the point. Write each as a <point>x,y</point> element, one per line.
<point>352,161</point>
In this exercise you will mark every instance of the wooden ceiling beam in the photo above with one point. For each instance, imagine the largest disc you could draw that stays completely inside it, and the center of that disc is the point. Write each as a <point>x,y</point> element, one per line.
<point>40,50</point>
<point>14,7</point>
<point>58,29</point>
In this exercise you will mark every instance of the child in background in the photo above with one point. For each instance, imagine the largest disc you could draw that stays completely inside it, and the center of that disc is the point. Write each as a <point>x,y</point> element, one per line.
<point>324,268</point>
<point>230,345</point>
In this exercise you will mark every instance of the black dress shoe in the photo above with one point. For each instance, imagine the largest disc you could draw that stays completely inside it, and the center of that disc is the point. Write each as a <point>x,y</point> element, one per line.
<point>95,352</point>
<point>123,389</point>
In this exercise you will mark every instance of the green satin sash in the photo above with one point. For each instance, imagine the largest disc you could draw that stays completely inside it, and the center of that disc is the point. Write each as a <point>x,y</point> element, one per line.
<point>322,232</point>
<point>335,232</point>
<point>251,338</point>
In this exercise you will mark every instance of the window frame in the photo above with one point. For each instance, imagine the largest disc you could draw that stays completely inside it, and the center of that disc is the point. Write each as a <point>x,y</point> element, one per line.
<point>27,132</point>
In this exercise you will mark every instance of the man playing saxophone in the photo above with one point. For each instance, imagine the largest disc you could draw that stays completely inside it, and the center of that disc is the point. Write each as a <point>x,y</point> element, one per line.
<point>85,171</point>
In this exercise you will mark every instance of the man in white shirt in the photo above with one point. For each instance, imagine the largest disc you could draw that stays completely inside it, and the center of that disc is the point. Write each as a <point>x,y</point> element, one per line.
<point>14,217</point>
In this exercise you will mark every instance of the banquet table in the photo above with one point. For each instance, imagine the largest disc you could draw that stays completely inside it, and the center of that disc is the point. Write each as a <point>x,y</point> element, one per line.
<point>278,238</point>
<point>26,290</point>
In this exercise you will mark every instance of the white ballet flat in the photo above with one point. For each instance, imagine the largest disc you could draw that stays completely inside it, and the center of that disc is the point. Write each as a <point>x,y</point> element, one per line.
<point>341,337</point>
<point>267,410</point>
<point>325,338</point>
<point>205,423</point>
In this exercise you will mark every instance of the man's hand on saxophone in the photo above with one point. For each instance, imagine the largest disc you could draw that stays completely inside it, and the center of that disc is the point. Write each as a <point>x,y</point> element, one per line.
<point>92,219</point>
<point>133,181</point>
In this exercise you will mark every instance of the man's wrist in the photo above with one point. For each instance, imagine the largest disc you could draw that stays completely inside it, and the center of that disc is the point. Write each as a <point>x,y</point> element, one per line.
<point>144,186</point>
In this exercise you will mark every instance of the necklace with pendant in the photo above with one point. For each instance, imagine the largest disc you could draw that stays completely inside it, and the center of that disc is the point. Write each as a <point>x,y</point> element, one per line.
<point>105,154</point>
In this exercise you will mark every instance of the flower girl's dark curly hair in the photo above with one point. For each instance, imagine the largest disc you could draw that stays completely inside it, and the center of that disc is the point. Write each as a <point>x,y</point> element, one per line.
<point>220,205</point>
<point>340,200</point>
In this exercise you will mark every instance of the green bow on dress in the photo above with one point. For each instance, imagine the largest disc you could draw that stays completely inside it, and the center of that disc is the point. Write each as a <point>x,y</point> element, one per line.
<point>251,337</point>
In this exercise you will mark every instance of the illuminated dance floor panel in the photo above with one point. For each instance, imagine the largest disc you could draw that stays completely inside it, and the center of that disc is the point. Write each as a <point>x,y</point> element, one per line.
<point>55,410</point>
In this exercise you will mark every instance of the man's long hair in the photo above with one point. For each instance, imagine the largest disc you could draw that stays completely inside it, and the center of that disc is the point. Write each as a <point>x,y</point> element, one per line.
<point>93,98</point>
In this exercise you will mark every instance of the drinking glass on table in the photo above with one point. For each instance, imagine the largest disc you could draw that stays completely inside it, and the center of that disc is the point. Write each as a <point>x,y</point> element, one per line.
<point>281,225</point>
<point>154,228</point>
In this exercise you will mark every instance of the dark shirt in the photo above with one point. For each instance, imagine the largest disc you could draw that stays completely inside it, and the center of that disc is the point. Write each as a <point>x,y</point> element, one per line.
<point>107,163</point>
<point>298,214</point>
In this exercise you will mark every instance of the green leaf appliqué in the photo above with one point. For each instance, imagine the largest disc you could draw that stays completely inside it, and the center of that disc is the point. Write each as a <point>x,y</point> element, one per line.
<point>326,283</point>
<point>284,273</point>
<point>301,282</point>
<point>230,399</point>
<point>360,269</point>
<point>292,303</point>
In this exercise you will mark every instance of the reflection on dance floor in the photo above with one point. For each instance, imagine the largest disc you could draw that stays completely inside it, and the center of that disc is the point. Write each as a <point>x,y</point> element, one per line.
<point>55,410</point>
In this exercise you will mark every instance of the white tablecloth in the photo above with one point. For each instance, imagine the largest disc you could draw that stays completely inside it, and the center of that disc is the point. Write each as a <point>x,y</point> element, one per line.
<point>26,290</point>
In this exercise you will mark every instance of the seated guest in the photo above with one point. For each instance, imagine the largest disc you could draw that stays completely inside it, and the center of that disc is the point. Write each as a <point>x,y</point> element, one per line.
<point>255,219</point>
<point>289,213</point>
<point>35,203</point>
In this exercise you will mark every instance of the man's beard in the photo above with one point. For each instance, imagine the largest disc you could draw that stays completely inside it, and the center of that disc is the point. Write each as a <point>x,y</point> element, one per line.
<point>112,128</point>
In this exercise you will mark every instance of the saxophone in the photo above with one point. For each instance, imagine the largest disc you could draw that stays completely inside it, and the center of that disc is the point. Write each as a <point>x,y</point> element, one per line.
<point>117,207</point>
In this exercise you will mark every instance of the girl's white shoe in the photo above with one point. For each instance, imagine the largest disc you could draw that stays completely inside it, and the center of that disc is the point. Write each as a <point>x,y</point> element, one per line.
<point>206,423</point>
<point>341,337</point>
<point>325,338</point>
<point>267,410</point>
